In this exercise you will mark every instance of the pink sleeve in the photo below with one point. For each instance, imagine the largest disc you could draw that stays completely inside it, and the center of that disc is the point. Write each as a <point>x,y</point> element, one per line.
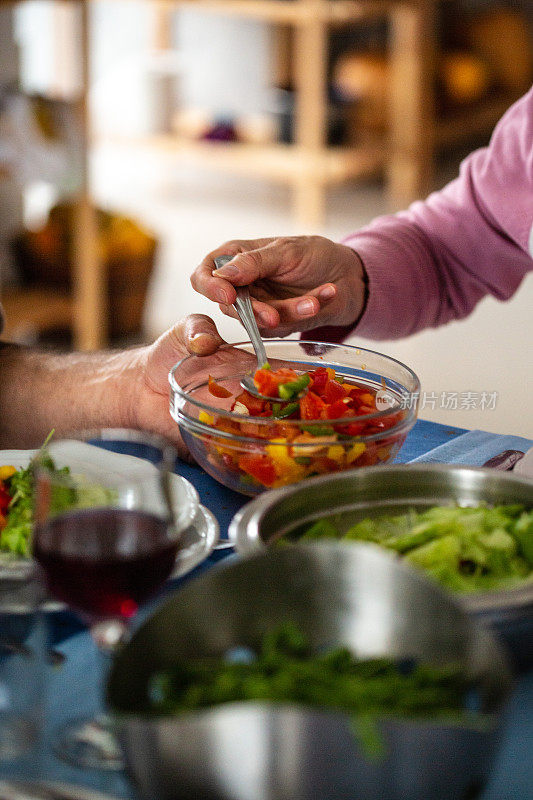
<point>434,262</point>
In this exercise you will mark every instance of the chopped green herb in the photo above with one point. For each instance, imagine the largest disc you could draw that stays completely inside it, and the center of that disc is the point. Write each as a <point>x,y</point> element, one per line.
<point>286,669</point>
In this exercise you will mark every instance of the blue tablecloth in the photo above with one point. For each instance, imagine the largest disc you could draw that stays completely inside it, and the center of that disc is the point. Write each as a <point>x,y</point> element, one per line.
<point>75,687</point>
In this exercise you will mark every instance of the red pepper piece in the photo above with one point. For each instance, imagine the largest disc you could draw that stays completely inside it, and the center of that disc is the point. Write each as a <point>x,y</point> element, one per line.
<point>216,389</point>
<point>334,391</point>
<point>319,379</point>
<point>260,467</point>
<point>268,380</point>
<point>254,404</point>
<point>5,498</point>
<point>337,410</point>
<point>312,407</point>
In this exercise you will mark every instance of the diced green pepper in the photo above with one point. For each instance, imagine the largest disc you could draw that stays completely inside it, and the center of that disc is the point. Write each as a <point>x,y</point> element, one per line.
<point>289,390</point>
<point>318,430</point>
<point>280,411</point>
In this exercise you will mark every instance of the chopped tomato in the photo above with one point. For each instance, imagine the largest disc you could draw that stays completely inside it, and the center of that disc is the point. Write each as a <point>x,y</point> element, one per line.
<point>216,389</point>
<point>312,407</point>
<point>257,431</point>
<point>352,429</point>
<point>268,380</point>
<point>336,410</point>
<point>334,391</point>
<point>319,378</point>
<point>323,465</point>
<point>229,462</point>
<point>5,498</point>
<point>260,467</point>
<point>254,405</point>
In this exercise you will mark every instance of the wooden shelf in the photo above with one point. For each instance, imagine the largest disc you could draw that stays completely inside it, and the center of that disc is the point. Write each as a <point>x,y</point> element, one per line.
<point>309,165</point>
<point>36,310</point>
<point>282,163</point>
<point>85,309</point>
<point>287,12</point>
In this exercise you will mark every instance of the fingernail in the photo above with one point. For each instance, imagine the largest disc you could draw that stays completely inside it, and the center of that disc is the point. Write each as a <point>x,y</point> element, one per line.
<point>222,297</point>
<point>305,307</point>
<point>227,271</point>
<point>327,293</point>
<point>200,340</point>
<point>264,318</point>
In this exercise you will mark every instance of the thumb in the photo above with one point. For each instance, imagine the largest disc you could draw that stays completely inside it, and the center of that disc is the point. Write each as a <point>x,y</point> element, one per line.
<point>198,334</point>
<point>195,334</point>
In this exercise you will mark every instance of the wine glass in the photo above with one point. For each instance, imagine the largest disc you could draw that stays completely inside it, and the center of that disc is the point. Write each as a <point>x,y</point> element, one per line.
<point>106,538</point>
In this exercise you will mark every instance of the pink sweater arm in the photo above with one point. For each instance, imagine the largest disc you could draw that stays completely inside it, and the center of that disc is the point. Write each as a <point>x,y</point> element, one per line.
<point>434,262</point>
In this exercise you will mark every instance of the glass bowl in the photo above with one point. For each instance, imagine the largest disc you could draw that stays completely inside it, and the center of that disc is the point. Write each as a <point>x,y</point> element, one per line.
<point>250,454</point>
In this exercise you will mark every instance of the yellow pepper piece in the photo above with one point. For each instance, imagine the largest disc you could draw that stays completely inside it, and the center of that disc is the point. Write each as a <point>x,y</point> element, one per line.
<point>7,472</point>
<point>331,373</point>
<point>206,418</point>
<point>367,398</point>
<point>336,452</point>
<point>287,469</point>
<point>355,451</point>
<point>383,453</point>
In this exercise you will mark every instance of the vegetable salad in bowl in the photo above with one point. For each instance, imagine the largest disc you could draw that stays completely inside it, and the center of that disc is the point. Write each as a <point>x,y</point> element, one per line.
<point>472,549</point>
<point>16,501</point>
<point>333,407</point>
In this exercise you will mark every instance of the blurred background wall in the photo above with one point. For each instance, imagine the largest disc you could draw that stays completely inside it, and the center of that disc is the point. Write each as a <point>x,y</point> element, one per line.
<point>210,75</point>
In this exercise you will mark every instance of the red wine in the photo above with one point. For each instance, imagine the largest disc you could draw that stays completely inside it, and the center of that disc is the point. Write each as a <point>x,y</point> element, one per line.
<point>105,562</point>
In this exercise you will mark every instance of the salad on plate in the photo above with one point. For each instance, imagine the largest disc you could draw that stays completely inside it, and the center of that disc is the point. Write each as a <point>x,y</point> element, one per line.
<point>16,501</point>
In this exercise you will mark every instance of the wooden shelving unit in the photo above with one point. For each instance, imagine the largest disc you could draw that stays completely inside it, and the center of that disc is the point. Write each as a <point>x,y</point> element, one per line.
<point>308,166</point>
<point>85,308</point>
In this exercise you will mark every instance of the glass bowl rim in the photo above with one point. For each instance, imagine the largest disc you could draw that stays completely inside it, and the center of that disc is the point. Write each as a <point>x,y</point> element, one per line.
<point>191,423</point>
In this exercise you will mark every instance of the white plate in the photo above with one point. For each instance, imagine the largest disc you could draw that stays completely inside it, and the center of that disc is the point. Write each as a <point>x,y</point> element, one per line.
<point>199,541</point>
<point>199,526</point>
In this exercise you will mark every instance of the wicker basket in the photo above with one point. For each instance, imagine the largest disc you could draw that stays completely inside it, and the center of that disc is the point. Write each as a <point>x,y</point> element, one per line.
<point>43,260</point>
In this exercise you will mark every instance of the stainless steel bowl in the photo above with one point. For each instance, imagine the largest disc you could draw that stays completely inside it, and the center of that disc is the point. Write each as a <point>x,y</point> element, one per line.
<point>350,496</point>
<point>358,596</point>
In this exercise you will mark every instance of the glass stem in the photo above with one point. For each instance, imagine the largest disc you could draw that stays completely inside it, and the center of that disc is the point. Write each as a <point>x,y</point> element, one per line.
<point>108,634</point>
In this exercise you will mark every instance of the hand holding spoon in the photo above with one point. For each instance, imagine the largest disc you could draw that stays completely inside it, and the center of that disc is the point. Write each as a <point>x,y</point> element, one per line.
<point>243,307</point>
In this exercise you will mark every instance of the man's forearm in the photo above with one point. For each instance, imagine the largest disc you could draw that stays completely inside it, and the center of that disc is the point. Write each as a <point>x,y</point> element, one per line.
<point>40,391</point>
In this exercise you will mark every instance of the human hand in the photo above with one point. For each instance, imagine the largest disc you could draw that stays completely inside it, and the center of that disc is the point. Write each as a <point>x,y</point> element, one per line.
<point>195,334</point>
<point>285,280</point>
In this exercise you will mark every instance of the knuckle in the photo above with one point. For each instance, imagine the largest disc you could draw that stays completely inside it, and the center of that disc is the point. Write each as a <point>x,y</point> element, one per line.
<point>291,247</point>
<point>250,262</point>
<point>232,247</point>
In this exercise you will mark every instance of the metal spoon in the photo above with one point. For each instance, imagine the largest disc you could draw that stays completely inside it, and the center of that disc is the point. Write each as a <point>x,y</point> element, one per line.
<point>243,307</point>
